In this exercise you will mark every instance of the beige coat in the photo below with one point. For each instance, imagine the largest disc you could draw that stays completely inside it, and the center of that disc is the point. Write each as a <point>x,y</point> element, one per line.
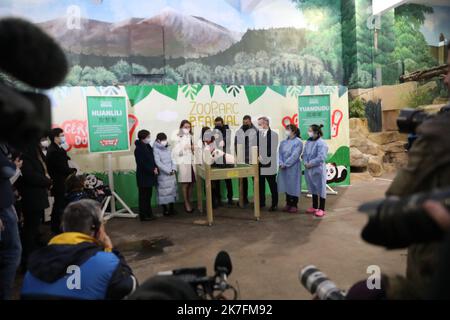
<point>183,157</point>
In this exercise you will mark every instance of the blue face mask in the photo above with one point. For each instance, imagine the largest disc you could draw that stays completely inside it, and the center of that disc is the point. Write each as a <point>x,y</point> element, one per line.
<point>63,140</point>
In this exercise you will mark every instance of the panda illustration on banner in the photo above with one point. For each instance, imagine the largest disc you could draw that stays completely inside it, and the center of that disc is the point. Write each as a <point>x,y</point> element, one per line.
<point>335,173</point>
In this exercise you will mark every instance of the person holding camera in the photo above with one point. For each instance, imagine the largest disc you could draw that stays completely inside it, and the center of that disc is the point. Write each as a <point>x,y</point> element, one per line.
<point>80,263</point>
<point>34,187</point>
<point>428,168</point>
<point>10,245</point>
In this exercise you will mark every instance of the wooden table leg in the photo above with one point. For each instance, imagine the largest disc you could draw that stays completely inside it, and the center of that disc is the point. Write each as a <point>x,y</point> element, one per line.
<point>241,193</point>
<point>199,192</point>
<point>256,192</point>
<point>208,187</point>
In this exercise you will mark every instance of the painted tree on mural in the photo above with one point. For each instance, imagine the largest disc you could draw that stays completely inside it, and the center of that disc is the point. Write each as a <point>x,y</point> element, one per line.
<point>410,44</point>
<point>326,42</point>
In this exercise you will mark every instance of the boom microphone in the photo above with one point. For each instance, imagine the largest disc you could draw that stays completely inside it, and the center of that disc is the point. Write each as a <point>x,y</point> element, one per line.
<point>30,55</point>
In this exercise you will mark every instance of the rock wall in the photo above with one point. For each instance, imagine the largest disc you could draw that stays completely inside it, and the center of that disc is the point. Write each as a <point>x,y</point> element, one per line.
<point>375,152</point>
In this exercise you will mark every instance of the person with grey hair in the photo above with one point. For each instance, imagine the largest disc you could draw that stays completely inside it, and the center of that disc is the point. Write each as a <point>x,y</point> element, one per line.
<point>267,148</point>
<point>80,263</point>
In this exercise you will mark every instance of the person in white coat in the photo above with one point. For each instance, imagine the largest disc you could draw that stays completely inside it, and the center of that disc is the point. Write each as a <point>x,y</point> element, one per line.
<point>314,157</point>
<point>183,155</point>
<point>167,181</point>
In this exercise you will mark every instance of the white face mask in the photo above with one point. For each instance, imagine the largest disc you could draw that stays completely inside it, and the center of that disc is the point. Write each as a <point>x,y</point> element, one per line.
<point>186,131</point>
<point>147,140</point>
<point>164,143</point>
<point>311,134</point>
<point>45,143</point>
<point>288,133</point>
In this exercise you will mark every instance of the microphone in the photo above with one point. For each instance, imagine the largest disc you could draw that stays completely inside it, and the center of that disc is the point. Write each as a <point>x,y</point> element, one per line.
<point>30,55</point>
<point>222,264</point>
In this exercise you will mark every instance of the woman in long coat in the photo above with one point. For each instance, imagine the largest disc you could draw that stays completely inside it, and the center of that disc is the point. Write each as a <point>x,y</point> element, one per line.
<point>290,175</point>
<point>183,154</point>
<point>314,157</point>
<point>167,181</point>
<point>146,172</point>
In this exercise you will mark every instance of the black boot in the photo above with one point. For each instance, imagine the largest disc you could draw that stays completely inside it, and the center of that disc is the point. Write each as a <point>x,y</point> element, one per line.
<point>172,209</point>
<point>165,210</point>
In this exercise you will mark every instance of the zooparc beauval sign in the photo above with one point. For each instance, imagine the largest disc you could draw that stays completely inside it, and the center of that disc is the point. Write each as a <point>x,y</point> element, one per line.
<point>107,124</point>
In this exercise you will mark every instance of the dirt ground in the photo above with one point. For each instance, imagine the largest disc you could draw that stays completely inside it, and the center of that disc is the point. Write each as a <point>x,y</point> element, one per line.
<point>266,255</point>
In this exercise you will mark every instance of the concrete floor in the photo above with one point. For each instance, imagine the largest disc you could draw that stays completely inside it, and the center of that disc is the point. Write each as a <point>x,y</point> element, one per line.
<point>266,255</point>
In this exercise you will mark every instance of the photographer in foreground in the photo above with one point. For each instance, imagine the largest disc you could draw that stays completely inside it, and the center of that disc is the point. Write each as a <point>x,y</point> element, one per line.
<point>80,263</point>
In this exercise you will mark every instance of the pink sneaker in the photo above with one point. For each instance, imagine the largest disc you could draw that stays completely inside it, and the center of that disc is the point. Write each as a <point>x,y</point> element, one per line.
<point>286,209</point>
<point>293,210</point>
<point>311,210</point>
<point>319,213</point>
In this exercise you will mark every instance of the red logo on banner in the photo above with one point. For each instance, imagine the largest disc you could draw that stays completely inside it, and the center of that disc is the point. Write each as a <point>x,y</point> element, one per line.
<point>290,120</point>
<point>76,132</point>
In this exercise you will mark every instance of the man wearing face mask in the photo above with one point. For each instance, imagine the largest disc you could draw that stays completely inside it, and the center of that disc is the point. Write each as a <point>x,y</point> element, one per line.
<point>45,143</point>
<point>267,146</point>
<point>59,170</point>
<point>146,174</point>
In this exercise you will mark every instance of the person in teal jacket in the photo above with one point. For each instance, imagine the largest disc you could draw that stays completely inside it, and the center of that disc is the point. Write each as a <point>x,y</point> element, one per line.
<point>290,174</point>
<point>314,157</point>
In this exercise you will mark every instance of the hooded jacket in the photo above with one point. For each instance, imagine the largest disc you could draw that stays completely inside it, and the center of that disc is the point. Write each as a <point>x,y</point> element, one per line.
<point>75,266</point>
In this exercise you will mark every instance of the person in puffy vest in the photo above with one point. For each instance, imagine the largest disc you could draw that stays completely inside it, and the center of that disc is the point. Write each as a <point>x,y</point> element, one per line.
<point>80,263</point>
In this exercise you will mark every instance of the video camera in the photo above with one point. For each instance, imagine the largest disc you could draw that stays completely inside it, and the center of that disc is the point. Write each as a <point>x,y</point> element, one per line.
<point>410,119</point>
<point>208,287</point>
<point>397,222</point>
<point>30,56</point>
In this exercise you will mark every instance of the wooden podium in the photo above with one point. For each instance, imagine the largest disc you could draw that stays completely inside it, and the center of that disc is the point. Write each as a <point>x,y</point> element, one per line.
<point>208,174</point>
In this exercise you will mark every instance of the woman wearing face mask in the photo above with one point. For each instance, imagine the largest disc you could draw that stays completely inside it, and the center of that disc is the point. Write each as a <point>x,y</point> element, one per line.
<point>146,172</point>
<point>167,181</point>
<point>45,143</point>
<point>289,175</point>
<point>183,154</point>
<point>314,158</point>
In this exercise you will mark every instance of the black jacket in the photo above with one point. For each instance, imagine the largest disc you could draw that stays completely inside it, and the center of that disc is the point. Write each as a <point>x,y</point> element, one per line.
<point>7,170</point>
<point>34,185</point>
<point>250,140</point>
<point>58,168</point>
<point>145,165</point>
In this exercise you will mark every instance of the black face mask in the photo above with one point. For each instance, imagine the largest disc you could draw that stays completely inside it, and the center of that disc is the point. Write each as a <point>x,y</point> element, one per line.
<point>245,127</point>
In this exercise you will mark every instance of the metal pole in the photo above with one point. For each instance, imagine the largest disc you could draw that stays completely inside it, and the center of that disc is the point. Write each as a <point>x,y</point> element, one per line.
<point>111,183</point>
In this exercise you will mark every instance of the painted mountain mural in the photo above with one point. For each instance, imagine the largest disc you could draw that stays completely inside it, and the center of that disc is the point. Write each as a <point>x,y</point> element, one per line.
<point>237,42</point>
<point>170,33</point>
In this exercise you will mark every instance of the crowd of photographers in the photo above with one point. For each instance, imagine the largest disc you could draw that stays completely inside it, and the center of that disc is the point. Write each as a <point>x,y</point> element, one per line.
<point>414,215</point>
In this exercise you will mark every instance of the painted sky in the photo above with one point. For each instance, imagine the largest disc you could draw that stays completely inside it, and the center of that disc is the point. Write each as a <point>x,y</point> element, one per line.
<point>437,23</point>
<point>236,15</point>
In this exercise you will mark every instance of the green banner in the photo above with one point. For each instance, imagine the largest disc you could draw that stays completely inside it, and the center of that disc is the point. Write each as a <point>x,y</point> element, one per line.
<point>107,124</point>
<point>314,109</point>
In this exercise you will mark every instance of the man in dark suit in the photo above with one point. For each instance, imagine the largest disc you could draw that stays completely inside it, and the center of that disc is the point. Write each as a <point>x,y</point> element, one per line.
<point>267,146</point>
<point>146,172</point>
<point>59,170</point>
